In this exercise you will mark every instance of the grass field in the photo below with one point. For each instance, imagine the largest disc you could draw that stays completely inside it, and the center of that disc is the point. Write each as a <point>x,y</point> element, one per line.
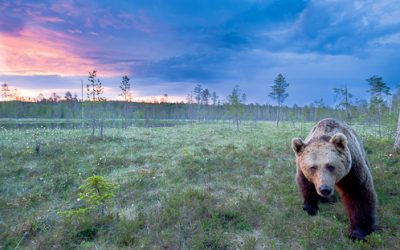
<point>204,186</point>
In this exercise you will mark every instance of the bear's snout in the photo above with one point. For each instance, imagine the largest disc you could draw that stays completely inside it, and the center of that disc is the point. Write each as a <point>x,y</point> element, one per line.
<point>325,190</point>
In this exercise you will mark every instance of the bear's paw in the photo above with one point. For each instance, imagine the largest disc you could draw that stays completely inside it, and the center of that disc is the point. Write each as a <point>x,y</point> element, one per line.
<point>311,210</point>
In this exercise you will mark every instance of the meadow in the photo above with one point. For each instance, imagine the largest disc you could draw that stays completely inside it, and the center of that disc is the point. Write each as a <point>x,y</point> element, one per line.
<point>192,186</point>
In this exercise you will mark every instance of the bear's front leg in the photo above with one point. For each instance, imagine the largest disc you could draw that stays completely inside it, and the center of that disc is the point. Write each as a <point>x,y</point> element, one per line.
<point>360,207</point>
<point>310,196</point>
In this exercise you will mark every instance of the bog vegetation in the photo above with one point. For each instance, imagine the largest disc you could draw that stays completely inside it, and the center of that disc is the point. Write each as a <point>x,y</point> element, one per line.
<point>211,173</point>
<point>189,186</point>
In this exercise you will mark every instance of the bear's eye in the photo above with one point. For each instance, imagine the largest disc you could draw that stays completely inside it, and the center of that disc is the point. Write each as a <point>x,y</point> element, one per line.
<point>312,169</point>
<point>330,168</point>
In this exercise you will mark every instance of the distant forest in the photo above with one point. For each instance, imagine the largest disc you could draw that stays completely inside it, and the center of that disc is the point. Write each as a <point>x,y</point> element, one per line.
<point>203,105</point>
<point>363,111</point>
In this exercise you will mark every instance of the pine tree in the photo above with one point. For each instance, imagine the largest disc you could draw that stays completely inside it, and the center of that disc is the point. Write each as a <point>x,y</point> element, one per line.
<point>343,96</point>
<point>68,96</point>
<point>5,91</point>
<point>94,87</point>
<point>235,105</point>
<point>197,96</point>
<point>279,93</point>
<point>377,90</point>
<point>94,91</point>
<point>125,88</point>
<point>214,98</point>
<point>205,96</point>
<point>197,93</point>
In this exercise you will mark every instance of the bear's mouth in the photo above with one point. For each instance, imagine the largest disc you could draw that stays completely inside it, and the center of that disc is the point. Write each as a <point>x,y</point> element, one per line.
<point>326,196</point>
<point>325,191</point>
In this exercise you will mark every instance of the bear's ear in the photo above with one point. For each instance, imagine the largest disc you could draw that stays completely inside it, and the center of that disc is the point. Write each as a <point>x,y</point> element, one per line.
<point>339,140</point>
<point>297,145</point>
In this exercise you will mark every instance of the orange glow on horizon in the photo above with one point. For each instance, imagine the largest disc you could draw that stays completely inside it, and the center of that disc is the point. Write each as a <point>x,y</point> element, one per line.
<point>158,99</point>
<point>26,94</point>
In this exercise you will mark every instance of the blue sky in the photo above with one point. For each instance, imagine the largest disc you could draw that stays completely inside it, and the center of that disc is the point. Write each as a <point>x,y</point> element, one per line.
<point>169,46</point>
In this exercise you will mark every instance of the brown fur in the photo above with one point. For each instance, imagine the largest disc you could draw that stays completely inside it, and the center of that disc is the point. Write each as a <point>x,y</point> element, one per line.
<point>332,156</point>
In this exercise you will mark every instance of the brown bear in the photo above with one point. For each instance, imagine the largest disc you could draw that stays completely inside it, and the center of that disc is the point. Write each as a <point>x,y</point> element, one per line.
<point>332,156</point>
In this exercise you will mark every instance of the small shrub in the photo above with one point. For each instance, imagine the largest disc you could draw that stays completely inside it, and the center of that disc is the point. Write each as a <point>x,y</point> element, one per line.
<point>96,192</point>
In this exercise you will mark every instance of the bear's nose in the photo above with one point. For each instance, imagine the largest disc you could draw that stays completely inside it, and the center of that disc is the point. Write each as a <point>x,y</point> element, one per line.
<point>325,190</point>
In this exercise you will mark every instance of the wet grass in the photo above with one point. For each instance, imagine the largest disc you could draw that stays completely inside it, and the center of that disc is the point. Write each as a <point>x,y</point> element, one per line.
<point>204,186</point>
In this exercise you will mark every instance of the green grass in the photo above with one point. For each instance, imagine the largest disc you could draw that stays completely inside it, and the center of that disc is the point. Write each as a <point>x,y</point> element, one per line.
<point>204,186</point>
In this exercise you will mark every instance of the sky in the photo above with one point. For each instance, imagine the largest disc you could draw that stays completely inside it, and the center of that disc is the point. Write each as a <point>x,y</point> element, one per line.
<point>169,46</point>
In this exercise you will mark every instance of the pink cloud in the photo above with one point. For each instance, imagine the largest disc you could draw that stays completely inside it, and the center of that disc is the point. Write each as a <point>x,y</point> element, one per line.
<point>138,22</point>
<point>39,51</point>
<point>68,8</point>
<point>104,18</point>
<point>75,31</point>
<point>38,18</point>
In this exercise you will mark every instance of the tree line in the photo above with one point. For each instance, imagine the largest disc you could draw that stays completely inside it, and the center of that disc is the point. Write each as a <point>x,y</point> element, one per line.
<point>203,105</point>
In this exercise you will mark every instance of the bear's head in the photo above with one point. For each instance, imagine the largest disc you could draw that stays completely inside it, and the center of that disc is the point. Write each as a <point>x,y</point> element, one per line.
<point>323,161</point>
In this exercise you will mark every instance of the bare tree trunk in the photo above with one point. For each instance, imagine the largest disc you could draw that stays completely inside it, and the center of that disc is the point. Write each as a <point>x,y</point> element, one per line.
<point>346,104</point>
<point>82,109</point>
<point>125,115</point>
<point>293,122</point>
<point>277,116</point>
<point>397,142</point>
<point>37,147</point>
<point>101,128</point>
<point>93,126</point>
<point>379,121</point>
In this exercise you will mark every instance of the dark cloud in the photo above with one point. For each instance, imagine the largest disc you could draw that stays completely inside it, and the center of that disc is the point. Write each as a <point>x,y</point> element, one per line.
<point>268,14</point>
<point>335,28</point>
<point>187,67</point>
